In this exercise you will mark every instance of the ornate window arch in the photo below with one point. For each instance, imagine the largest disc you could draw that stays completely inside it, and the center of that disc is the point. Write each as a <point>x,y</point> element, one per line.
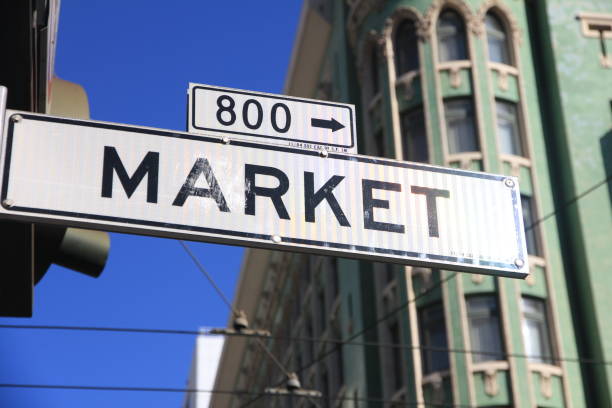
<point>498,41</point>
<point>452,36</point>
<point>406,47</point>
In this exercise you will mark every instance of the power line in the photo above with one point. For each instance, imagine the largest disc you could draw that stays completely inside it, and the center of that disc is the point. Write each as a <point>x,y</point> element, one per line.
<point>231,307</point>
<point>448,278</point>
<point>305,339</point>
<point>571,201</point>
<point>226,392</point>
<point>210,279</point>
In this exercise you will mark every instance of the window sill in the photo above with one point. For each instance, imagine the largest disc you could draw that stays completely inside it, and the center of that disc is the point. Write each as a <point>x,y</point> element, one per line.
<point>545,369</point>
<point>464,159</point>
<point>503,68</point>
<point>435,378</point>
<point>454,65</point>
<point>488,366</point>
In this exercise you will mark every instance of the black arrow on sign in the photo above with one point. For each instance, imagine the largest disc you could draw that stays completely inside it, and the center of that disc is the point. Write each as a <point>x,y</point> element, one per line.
<point>332,124</point>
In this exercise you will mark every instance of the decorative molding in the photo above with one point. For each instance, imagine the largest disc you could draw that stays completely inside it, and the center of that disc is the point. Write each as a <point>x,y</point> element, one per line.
<point>426,32</point>
<point>600,19</point>
<point>477,278</point>
<point>491,386</point>
<point>425,275</point>
<point>546,372</point>
<point>372,39</point>
<point>515,162</point>
<point>407,80</point>
<point>437,388</point>
<point>504,13</point>
<point>358,11</point>
<point>464,159</point>
<point>401,14</point>
<point>530,280</point>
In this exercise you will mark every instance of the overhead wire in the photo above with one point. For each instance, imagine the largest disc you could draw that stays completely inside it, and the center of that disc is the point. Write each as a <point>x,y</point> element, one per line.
<point>338,343</point>
<point>295,339</point>
<point>226,392</point>
<point>442,281</point>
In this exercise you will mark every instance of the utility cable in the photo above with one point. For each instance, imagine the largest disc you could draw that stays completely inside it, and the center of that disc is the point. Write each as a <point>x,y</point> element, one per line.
<point>571,201</point>
<point>231,307</point>
<point>226,392</point>
<point>306,339</point>
<point>448,278</point>
<point>210,279</point>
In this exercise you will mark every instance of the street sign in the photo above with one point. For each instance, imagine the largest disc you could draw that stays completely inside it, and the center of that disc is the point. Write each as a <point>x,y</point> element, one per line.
<point>165,183</point>
<point>296,122</point>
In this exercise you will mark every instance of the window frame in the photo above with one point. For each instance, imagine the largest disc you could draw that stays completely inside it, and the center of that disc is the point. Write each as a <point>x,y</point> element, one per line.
<point>407,146</point>
<point>463,51</point>
<point>506,40</point>
<point>518,141</point>
<point>491,355</point>
<point>400,45</point>
<point>427,355</point>
<point>546,355</point>
<point>476,137</point>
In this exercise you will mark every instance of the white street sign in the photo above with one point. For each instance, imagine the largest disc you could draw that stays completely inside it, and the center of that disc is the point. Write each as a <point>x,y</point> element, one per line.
<point>296,122</point>
<point>165,183</point>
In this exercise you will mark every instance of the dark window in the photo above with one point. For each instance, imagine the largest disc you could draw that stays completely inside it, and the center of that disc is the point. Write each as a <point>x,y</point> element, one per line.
<point>406,48</point>
<point>531,235</point>
<point>415,137</point>
<point>483,316</point>
<point>379,141</point>
<point>535,330</point>
<point>396,355</point>
<point>508,129</point>
<point>497,40</point>
<point>322,311</point>
<point>325,389</point>
<point>374,70</point>
<point>433,336</point>
<point>460,126</point>
<point>451,37</point>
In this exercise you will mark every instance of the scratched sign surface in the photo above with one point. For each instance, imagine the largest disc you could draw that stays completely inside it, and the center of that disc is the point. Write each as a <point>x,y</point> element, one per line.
<point>164,183</point>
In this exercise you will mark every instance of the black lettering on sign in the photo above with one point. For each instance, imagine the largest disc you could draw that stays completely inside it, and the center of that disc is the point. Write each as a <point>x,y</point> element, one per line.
<point>369,203</point>
<point>148,167</point>
<point>432,208</point>
<point>201,166</point>
<point>312,199</point>
<point>251,190</point>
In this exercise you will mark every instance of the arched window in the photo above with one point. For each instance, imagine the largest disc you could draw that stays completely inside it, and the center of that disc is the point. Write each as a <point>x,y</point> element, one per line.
<point>452,44</point>
<point>497,40</point>
<point>406,48</point>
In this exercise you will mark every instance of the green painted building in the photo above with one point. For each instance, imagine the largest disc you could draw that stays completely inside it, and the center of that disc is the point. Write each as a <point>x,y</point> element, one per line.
<point>519,87</point>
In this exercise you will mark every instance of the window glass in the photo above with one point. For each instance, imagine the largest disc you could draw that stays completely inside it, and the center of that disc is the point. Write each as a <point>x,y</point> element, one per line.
<point>508,131</point>
<point>379,143</point>
<point>528,222</point>
<point>485,332</point>
<point>451,37</point>
<point>396,355</point>
<point>460,126</point>
<point>433,336</point>
<point>414,136</point>
<point>322,311</point>
<point>406,48</point>
<point>374,70</point>
<point>535,330</point>
<point>497,40</point>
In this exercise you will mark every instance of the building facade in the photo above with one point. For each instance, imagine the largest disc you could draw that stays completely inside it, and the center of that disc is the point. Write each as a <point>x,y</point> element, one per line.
<point>516,87</point>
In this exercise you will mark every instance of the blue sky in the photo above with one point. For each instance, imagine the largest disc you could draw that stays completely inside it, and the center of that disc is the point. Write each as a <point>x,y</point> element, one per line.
<point>135,59</point>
